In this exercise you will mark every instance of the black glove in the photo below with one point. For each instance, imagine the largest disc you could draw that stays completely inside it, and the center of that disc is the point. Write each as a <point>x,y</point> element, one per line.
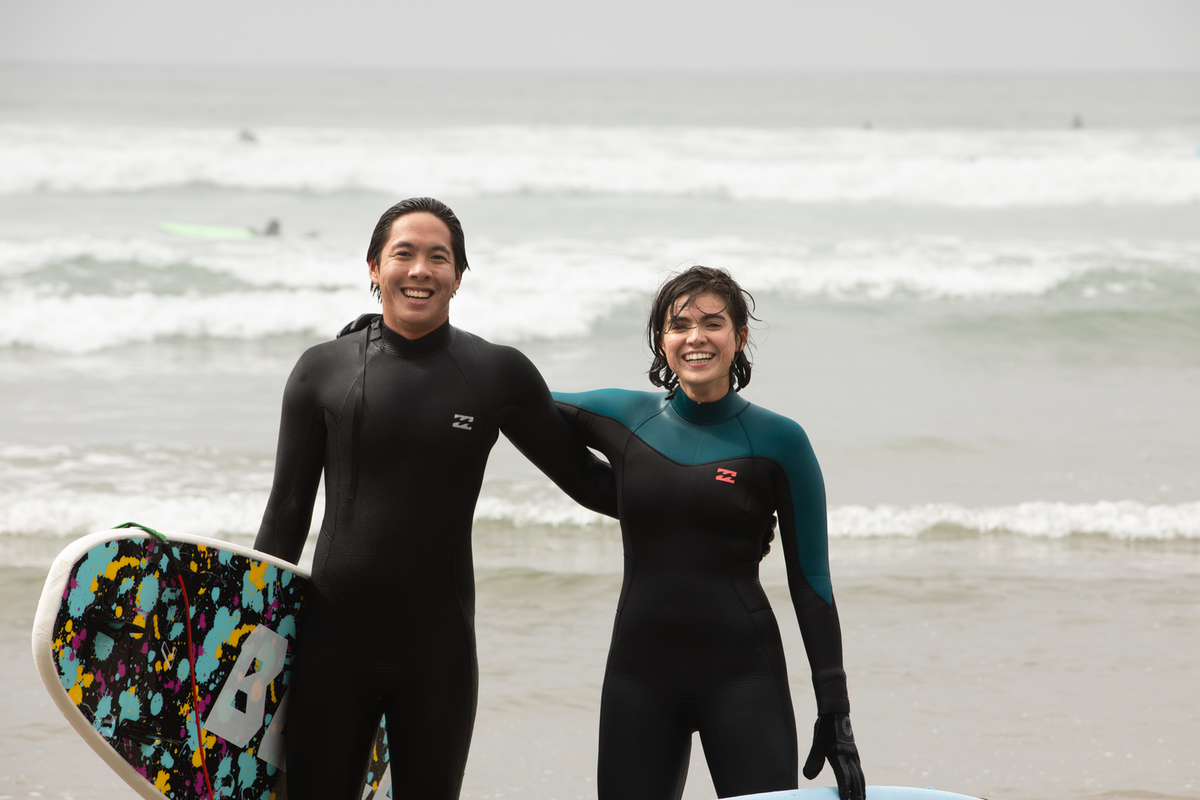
<point>833,738</point>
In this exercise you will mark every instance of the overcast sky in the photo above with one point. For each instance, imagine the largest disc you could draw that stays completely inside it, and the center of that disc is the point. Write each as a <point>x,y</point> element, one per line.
<point>971,35</point>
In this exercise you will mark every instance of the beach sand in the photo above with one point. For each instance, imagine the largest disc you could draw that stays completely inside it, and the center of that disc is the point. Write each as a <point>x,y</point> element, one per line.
<point>993,666</point>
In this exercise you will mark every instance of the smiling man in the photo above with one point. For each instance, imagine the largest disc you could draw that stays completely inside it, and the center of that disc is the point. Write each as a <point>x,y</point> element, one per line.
<point>400,413</point>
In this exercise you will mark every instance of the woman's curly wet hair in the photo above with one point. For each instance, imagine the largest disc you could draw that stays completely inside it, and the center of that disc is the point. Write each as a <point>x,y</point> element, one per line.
<point>693,282</point>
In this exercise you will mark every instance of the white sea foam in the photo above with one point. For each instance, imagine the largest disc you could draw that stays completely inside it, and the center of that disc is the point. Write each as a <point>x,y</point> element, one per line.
<point>238,513</point>
<point>992,169</point>
<point>123,291</point>
<point>1126,520</point>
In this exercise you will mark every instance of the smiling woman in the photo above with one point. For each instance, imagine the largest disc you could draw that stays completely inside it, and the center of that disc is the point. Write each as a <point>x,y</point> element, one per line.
<point>701,474</point>
<point>698,332</point>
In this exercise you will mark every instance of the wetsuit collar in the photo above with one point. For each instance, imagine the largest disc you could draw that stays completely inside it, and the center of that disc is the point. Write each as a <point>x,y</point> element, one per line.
<point>431,343</point>
<point>727,407</point>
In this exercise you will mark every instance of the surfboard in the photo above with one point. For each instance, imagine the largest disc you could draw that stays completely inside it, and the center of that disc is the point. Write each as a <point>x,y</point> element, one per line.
<point>152,643</point>
<point>193,231</point>
<point>873,793</point>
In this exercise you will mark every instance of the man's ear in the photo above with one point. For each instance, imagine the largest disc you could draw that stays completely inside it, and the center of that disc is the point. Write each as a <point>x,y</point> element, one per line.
<point>373,271</point>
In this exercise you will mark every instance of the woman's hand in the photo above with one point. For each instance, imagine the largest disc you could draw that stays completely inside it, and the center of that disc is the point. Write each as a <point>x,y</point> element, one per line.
<point>833,739</point>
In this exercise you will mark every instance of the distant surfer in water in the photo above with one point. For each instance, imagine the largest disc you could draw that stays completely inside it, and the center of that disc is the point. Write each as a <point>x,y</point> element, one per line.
<point>400,413</point>
<point>701,473</point>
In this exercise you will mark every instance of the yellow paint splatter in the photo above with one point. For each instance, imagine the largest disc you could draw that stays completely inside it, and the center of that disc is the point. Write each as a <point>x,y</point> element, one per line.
<point>160,782</point>
<point>69,626</point>
<point>238,633</point>
<point>95,585</point>
<point>113,567</point>
<point>118,611</point>
<point>258,569</point>
<point>76,694</point>
<point>87,679</point>
<point>139,620</point>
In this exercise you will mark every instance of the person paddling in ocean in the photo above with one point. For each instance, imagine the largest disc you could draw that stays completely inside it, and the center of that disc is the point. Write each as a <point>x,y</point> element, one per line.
<point>400,413</point>
<point>701,474</point>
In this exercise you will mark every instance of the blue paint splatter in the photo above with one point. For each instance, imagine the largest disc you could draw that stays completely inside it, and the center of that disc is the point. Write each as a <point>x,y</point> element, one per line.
<point>249,769</point>
<point>103,646</point>
<point>68,667</point>
<point>221,629</point>
<point>131,707</point>
<point>103,710</point>
<point>287,626</point>
<point>96,562</point>
<point>147,594</point>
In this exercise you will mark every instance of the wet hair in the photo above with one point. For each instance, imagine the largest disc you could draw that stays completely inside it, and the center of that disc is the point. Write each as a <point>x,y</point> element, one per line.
<point>417,205</point>
<point>693,282</point>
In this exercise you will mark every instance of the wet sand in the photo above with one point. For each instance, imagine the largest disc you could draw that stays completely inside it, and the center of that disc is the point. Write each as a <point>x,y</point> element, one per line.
<point>998,666</point>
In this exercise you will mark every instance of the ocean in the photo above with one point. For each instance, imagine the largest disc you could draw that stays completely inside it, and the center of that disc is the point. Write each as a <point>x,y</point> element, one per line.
<point>979,295</point>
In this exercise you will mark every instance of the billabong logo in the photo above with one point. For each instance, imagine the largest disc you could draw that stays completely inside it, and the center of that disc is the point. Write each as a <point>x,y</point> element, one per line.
<point>462,422</point>
<point>726,475</point>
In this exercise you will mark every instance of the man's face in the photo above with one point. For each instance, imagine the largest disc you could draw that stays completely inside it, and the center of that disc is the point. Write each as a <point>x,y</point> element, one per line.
<point>416,275</point>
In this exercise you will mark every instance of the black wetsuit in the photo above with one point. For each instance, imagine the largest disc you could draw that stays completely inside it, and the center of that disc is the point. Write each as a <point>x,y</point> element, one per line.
<point>402,430</point>
<point>695,645</point>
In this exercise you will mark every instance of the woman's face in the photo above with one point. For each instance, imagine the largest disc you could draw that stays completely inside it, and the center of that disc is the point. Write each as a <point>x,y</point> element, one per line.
<point>700,342</point>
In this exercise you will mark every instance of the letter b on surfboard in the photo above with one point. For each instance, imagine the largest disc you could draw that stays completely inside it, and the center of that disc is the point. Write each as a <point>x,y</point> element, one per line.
<point>238,711</point>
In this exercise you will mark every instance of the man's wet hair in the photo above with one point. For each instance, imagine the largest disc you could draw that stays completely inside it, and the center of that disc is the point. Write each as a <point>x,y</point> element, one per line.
<point>416,205</point>
<point>693,282</point>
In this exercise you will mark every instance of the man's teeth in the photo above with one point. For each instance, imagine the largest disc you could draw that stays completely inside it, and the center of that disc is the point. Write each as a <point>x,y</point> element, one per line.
<point>693,357</point>
<point>417,294</point>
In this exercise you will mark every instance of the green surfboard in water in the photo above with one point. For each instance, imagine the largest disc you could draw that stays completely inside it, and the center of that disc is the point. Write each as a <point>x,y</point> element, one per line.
<point>193,231</point>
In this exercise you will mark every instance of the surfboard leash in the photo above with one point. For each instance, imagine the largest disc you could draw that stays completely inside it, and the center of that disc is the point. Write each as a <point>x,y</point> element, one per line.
<point>161,537</point>
<point>187,610</point>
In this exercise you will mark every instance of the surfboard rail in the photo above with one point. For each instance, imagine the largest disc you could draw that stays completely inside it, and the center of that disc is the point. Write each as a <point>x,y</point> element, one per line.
<point>873,793</point>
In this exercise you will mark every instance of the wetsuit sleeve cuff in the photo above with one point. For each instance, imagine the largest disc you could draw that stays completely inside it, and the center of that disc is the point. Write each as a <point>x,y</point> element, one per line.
<point>832,697</point>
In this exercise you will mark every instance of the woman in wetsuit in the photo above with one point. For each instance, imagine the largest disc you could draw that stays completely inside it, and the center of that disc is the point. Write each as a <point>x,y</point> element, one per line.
<point>701,474</point>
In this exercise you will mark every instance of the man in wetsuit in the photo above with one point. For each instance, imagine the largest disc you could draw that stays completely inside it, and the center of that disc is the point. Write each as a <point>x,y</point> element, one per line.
<point>400,412</point>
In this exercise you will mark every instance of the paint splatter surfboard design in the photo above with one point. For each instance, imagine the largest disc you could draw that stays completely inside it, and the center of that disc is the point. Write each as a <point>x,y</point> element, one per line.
<point>111,644</point>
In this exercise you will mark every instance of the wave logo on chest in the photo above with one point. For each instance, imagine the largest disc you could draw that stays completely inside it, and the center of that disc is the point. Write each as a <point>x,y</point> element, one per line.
<point>726,475</point>
<point>462,422</point>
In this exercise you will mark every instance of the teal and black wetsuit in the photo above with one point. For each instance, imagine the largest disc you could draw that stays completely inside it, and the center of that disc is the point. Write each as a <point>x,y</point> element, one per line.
<point>695,645</point>
<point>402,430</point>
